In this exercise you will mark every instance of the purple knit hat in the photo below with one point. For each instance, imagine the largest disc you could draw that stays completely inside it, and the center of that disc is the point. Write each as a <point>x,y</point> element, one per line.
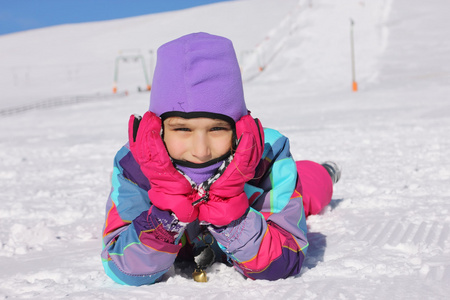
<point>198,75</point>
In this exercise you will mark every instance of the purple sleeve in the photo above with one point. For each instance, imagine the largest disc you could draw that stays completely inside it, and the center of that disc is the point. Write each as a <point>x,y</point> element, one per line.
<point>137,248</point>
<point>261,249</point>
<point>269,242</point>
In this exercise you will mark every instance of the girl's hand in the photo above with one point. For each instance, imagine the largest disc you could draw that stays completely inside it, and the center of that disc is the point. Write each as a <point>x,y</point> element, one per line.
<point>169,190</point>
<point>227,199</point>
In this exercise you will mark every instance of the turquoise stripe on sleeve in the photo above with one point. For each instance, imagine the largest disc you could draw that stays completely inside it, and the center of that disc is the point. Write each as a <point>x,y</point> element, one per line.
<point>110,273</point>
<point>117,170</point>
<point>115,185</point>
<point>270,137</point>
<point>285,173</point>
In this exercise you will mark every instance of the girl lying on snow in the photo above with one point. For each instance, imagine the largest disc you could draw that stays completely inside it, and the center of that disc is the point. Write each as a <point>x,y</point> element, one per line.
<point>199,175</point>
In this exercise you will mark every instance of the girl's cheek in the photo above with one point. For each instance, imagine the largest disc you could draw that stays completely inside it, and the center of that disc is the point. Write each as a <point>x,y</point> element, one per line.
<point>224,145</point>
<point>174,146</point>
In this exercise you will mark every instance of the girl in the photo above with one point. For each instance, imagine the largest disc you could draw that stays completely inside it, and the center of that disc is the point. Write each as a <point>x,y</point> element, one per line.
<point>201,178</point>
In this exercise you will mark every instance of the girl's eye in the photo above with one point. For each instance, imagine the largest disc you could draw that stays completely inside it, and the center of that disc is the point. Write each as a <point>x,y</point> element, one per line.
<point>218,128</point>
<point>182,129</point>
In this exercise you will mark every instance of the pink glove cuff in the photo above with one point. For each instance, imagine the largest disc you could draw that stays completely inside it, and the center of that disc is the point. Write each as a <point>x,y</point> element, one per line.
<point>221,212</point>
<point>180,205</point>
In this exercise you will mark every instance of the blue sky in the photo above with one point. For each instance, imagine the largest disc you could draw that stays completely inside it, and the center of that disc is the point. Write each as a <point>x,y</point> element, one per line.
<point>19,15</point>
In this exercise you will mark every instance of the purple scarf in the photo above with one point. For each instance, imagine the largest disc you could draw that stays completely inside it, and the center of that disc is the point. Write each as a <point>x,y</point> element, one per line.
<point>199,175</point>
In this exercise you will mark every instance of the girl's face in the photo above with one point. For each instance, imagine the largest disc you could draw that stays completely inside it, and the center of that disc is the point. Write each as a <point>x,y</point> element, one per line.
<point>197,140</point>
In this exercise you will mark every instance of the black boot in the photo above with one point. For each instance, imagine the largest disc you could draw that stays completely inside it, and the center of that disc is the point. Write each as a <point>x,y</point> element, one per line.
<point>332,169</point>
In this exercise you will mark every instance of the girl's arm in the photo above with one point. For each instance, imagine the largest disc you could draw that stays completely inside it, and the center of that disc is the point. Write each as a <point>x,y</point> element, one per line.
<point>137,249</point>
<point>269,242</point>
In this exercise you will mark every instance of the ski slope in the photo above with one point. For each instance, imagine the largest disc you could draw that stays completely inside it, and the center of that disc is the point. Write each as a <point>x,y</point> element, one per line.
<point>386,233</point>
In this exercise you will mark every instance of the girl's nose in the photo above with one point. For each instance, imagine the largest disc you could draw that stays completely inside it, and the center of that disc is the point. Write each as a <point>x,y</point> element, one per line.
<point>200,148</point>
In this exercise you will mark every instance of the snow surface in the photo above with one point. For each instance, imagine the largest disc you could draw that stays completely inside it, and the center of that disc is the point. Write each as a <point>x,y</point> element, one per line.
<point>386,233</point>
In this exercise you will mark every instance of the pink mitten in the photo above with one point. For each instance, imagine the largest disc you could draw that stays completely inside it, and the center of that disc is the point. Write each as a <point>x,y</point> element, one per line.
<point>169,190</point>
<point>227,199</point>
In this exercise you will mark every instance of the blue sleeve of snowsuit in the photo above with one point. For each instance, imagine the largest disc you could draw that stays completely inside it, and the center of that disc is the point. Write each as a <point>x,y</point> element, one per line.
<point>134,252</point>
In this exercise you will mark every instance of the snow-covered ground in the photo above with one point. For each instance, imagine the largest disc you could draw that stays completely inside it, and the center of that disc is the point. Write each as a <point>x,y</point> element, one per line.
<point>386,234</point>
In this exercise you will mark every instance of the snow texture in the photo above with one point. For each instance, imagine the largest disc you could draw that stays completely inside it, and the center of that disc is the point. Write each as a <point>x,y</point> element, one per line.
<point>386,233</point>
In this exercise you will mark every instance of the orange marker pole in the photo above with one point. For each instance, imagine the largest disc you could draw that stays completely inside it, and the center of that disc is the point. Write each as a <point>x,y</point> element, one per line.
<point>355,84</point>
<point>116,74</point>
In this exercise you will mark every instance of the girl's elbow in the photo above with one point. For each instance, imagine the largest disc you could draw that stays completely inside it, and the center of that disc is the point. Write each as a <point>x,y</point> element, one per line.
<point>129,279</point>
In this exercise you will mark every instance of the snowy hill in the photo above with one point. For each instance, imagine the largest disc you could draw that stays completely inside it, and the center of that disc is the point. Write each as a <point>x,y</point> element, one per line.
<point>386,233</point>
<point>79,59</point>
